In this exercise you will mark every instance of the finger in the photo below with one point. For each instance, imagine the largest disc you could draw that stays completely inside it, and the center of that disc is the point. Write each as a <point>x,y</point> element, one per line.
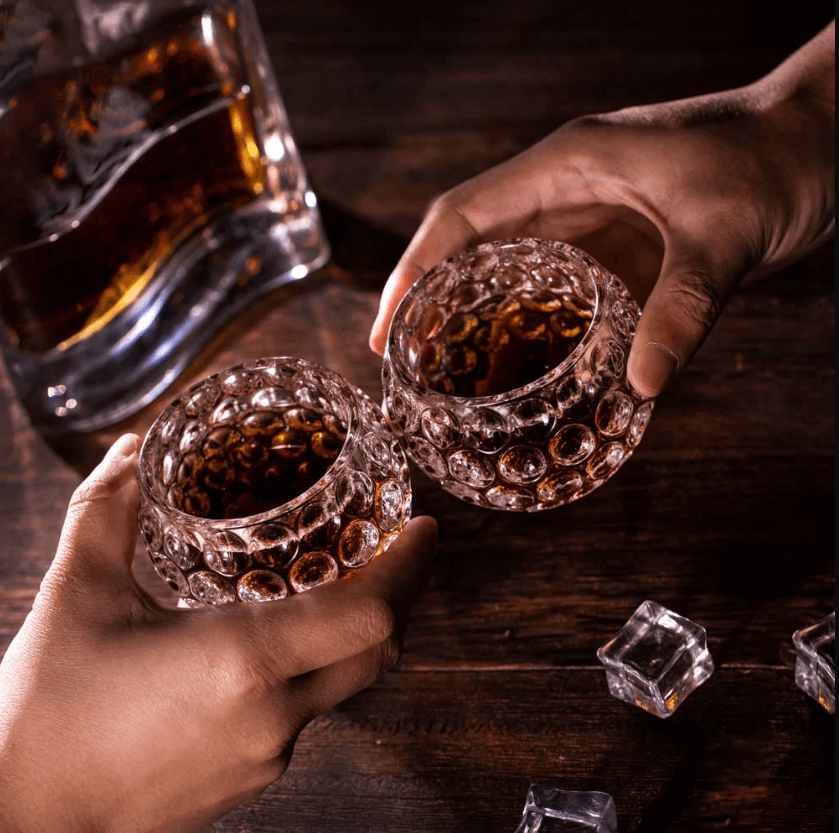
<point>506,201</point>
<point>100,530</point>
<point>323,689</point>
<point>333,621</point>
<point>401,577</point>
<point>499,202</point>
<point>445,230</point>
<point>681,310</point>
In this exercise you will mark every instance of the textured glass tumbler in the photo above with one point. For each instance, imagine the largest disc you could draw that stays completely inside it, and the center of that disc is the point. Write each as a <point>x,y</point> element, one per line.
<point>157,191</point>
<point>538,445</point>
<point>257,426</point>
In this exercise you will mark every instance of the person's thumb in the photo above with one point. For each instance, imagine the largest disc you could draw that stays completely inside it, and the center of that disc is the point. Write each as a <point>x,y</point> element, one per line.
<point>100,530</point>
<point>683,307</point>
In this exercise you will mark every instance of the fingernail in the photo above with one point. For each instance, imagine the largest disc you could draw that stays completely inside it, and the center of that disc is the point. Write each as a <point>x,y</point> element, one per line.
<point>652,367</point>
<point>113,465</point>
<point>374,330</point>
<point>377,340</point>
<point>121,450</point>
<point>125,446</point>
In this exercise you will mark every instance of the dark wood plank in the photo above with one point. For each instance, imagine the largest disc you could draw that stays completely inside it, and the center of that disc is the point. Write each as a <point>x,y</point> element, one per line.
<point>457,752</point>
<point>354,72</point>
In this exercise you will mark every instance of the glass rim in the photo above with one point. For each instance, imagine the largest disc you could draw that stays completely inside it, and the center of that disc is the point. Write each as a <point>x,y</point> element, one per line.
<point>397,361</point>
<point>346,390</point>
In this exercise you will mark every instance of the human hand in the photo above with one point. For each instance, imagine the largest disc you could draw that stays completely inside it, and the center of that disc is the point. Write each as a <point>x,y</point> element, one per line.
<point>118,715</point>
<point>681,200</point>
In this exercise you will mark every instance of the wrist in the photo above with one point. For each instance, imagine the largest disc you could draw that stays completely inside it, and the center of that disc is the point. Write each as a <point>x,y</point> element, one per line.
<point>793,113</point>
<point>805,80</point>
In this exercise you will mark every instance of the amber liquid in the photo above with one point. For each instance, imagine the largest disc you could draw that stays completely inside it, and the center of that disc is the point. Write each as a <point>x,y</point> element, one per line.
<point>114,165</point>
<point>263,462</point>
<point>501,346</point>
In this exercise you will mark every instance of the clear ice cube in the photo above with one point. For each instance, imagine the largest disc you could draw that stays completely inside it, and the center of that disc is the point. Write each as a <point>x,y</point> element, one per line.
<point>556,811</point>
<point>815,668</point>
<point>656,659</point>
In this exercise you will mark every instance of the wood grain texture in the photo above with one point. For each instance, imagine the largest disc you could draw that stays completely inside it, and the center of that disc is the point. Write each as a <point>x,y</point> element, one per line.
<point>457,752</point>
<point>724,514</point>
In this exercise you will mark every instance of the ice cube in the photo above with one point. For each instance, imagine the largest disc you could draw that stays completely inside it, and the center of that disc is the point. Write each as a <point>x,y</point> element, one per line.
<point>815,669</point>
<point>656,659</point>
<point>548,810</point>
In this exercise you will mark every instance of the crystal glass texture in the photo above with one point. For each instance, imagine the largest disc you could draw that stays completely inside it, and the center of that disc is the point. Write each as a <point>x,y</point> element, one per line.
<point>815,664</point>
<point>225,439</point>
<point>556,811</point>
<point>158,191</point>
<point>656,659</point>
<point>538,445</point>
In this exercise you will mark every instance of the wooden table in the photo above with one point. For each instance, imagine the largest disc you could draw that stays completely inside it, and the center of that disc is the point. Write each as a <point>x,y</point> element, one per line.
<point>725,513</point>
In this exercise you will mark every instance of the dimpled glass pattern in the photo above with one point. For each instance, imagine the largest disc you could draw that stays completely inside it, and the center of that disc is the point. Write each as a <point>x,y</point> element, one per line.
<point>815,665</point>
<point>541,445</point>
<point>656,660</point>
<point>548,810</point>
<point>348,517</point>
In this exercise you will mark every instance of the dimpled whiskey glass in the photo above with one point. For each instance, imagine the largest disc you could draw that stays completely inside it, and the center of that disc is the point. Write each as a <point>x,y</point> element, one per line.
<point>268,479</point>
<point>505,374</point>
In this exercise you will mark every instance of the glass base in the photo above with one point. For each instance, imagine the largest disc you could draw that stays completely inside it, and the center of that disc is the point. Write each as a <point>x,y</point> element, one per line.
<point>117,370</point>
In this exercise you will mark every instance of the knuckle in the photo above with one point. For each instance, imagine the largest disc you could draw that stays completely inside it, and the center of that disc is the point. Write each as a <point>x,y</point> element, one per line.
<point>391,652</point>
<point>589,125</point>
<point>88,492</point>
<point>451,207</point>
<point>276,765</point>
<point>442,204</point>
<point>241,672</point>
<point>264,739</point>
<point>270,742</point>
<point>377,661</point>
<point>437,211</point>
<point>698,298</point>
<point>268,745</point>
<point>376,621</point>
<point>589,122</point>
